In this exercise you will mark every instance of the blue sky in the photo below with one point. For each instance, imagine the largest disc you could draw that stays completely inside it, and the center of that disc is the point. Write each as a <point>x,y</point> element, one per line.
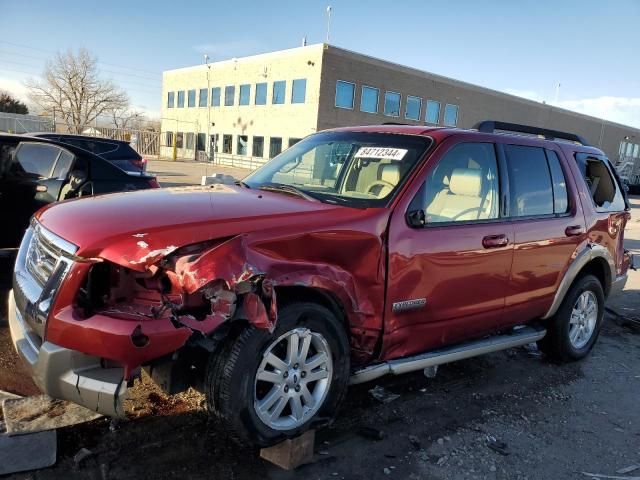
<point>590,47</point>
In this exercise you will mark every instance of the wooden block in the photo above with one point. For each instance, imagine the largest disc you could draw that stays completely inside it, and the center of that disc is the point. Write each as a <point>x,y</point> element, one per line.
<point>291,453</point>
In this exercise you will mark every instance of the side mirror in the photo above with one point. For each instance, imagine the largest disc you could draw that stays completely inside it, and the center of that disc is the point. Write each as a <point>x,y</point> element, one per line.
<point>416,218</point>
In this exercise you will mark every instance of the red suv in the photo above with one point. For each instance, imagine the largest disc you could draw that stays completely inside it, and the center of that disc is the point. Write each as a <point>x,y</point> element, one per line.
<point>356,253</point>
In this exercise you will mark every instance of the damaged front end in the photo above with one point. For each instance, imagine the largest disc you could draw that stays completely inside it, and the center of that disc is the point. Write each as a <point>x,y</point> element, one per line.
<point>160,314</point>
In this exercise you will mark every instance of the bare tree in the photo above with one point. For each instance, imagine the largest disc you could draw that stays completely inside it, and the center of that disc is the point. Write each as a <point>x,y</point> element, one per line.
<point>123,117</point>
<point>72,89</point>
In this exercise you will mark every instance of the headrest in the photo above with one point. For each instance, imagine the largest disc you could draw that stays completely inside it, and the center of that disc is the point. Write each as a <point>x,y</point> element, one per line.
<point>466,181</point>
<point>390,173</point>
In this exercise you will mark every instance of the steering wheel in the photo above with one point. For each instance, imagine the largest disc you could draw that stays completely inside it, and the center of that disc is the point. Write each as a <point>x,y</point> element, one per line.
<point>468,210</point>
<point>382,183</point>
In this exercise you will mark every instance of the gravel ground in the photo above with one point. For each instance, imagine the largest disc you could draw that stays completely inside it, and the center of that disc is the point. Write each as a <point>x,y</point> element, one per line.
<point>507,415</point>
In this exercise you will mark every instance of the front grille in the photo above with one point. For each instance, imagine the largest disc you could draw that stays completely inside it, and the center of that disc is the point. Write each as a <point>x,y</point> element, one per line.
<point>41,265</point>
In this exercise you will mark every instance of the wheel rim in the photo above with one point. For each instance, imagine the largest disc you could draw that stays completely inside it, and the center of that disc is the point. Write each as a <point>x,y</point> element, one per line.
<point>293,379</point>
<point>584,317</point>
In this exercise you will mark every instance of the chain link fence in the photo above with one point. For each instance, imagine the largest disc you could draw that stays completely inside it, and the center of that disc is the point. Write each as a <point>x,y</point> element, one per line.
<point>18,123</point>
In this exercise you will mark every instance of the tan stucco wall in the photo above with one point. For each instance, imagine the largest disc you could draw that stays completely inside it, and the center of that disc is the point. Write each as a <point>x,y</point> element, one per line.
<point>286,121</point>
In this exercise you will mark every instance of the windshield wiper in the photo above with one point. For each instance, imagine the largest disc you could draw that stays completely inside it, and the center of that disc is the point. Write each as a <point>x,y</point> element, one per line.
<point>284,188</point>
<point>242,184</point>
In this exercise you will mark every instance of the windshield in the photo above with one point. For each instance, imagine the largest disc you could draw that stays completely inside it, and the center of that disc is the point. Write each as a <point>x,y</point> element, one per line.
<point>351,168</point>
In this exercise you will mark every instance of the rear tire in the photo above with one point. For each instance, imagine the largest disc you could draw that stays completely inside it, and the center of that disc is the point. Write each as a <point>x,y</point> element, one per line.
<point>574,329</point>
<point>242,376</point>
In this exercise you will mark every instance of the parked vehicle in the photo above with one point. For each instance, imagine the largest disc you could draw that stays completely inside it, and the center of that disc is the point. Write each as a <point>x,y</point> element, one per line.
<point>356,253</point>
<point>118,152</point>
<point>35,172</point>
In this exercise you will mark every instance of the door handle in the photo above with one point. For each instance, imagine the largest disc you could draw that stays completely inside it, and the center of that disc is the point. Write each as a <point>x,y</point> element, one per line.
<point>495,241</point>
<point>574,230</point>
<point>41,188</point>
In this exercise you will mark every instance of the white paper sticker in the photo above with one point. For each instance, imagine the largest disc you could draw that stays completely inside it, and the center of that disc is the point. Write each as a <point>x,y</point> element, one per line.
<point>381,152</point>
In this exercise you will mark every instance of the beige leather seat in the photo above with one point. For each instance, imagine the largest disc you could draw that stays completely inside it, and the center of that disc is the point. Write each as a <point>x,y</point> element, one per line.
<point>461,200</point>
<point>388,177</point>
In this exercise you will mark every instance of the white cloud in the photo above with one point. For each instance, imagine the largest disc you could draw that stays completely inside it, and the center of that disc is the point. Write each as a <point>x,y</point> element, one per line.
<point>625,110</point>
<point>14,87</point>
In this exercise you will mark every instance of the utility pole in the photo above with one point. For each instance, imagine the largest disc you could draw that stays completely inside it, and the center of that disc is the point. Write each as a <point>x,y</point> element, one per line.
<point>209,99</point>
<point>328,22</point>
<point>557,93</point>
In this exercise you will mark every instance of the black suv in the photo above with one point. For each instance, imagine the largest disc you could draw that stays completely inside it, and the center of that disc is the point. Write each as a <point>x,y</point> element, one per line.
<point>118,152</point>
<point>35,172</point>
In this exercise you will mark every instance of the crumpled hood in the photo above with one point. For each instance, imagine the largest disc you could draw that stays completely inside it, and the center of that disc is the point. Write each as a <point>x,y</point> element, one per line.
<point>138,228</point>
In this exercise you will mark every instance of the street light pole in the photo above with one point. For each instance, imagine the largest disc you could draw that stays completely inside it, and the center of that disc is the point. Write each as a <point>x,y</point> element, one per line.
<point>208,140</point>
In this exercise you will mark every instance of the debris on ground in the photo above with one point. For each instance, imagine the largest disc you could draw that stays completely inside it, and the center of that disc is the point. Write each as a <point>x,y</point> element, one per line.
<point>497,446</point>
<point>431,372</point>
<point>602,475</point>
<point>41,412</point>
<point>629,469</point>
<point>81,455</point>
<point>371,432</point>
<point>383,395</point>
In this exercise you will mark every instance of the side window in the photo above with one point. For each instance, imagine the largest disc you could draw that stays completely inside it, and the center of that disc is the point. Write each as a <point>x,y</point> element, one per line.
<point>529,181</point>
<point>35,159</point>
<point>63,165</point>
<point>464,185</point>
<point>605,191</point>
<point>560,197</point>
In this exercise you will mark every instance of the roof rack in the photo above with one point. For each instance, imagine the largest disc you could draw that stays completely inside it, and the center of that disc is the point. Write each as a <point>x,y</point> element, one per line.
<point>489,126</point>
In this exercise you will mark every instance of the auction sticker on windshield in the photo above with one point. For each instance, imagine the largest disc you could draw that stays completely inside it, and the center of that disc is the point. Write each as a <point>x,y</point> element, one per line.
<point>381,152</point>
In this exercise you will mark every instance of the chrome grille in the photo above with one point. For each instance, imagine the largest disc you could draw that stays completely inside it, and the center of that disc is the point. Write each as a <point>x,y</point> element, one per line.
<point>42,263</point>
<point>41,257</point>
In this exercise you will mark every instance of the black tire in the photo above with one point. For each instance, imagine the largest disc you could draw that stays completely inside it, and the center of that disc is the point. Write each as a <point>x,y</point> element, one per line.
<point>229,382</point>
<point>556,343</point>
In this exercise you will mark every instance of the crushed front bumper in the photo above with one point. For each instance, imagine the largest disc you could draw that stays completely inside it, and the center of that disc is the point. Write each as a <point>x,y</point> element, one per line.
<point>68,374</point>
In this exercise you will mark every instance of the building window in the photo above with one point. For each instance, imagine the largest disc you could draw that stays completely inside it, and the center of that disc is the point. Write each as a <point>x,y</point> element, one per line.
<point>229,93</point>
<point>261,94</point>
<point>171,97</point>
<point>179,140</point>
<point>293,141</point>
<point>369,100</point>
<point>275,146</point>
<point>450,115</point>
<point>226,143</point>
<point>192,98</point>
<point>279,88</point>
<point>258,146</point>
<point>213,139</point>
<point>201,141</point>
<point>636,151</point>
<point>433,112</point>
<point>299,90</point>
<point>215,97</point>
<point>169,139</point>
<point>344,94</point>
<point>413,108</point>
<point>243,145</point>
<point>181,99</point>
<point>190,140</point>
<point>245,94</point>
<point>392,104</point>
<point>203,100</point>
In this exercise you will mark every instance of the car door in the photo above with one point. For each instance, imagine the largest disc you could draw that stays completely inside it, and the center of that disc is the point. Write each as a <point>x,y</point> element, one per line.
<point>34,178</point>
<point>548,225</point>
<point>450,252</point>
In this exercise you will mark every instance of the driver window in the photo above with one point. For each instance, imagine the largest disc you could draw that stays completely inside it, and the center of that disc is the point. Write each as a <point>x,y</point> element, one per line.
<point>35,159</point>
<point>463,186</point>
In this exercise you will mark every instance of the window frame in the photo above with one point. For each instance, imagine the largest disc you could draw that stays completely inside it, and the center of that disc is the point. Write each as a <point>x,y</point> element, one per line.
<point>384,104</point>
<point>214,96</point>
<point>248,87</point>
<point>284,92</point>
<point>353,95</point>
<point>444,115</point>
<point>171,99</point>
<point>206,97</point>
<point>266,93</point>
<point>406,108</point>
<point>299,81</point>
<point>426,112</point>
<point>362,88</point>
<point>178,103</point>
<point>189,97</point>
<point>502,178</point>
<point>232,89</point>
<point>253,146</point>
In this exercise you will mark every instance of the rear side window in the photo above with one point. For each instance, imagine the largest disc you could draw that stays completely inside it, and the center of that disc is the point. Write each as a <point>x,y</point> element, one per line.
<point>560,197</point>
<point>35,159</point>
<point>530,184</point>
<point>63,165</point>
<point>604,189</point>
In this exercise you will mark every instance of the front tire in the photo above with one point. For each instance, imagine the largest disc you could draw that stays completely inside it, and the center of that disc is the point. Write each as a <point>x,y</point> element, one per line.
<point>269,387</point>
<point>574,329</point>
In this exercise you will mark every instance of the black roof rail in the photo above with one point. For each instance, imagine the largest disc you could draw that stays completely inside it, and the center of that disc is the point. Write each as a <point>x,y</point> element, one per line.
<point>489,126</point>
<point>399,123</point>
